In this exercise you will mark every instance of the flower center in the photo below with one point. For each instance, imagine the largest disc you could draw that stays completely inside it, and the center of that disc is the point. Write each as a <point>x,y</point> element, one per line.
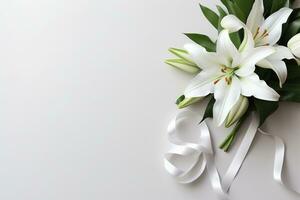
<point>228,73</point>
<point>260,35</point>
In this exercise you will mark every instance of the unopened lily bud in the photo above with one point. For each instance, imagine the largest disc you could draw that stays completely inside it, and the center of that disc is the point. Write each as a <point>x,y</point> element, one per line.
<point>183,102</point>
<point>183,54</point>
<point>183,65</point>
<point>294,45</point>
<point>238,110</point>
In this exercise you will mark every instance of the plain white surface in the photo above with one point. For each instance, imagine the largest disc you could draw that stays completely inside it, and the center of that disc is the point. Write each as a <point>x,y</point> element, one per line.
<point>85,100</point>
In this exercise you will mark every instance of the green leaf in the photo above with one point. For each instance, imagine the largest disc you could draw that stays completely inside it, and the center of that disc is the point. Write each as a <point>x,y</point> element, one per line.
<point>265,108</point>
<point>290,92</point>
<point>225,3</point>
<point>295,14</point>
<point>292,29</point>
<point>209,109</point>
<point>235,38</point>
<point>245,5</point>
<point>268,7</point>
<point>238,12</point>
<point>222,14</point>
<point>277,4</point>
<point>234,9</point>
<point>210,15</point>
<point>202,40</point>
<point>293,71</point>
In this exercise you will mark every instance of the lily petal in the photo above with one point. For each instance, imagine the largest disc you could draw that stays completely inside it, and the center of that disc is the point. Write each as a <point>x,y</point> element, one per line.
<point>248,42</point>
<point>253,86</point>
<point>281,53</point>
<point>256,16</point>
<point>232,23</point>
<point>273,24</point>
<point>249,60</point>
<point>294,45</point>
<point>226,96</point>
<point>225,46</point>
<point>275,62</point>
<point>202,84</point>
<point>278,66</point>
<point>203,58</point>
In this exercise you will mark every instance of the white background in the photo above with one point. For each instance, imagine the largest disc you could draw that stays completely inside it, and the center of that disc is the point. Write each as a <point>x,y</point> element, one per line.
<point>85,99</point>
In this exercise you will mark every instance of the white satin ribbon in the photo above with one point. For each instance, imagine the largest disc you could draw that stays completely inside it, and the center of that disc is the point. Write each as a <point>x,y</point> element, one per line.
<point>279,161</point>
<point>202,155</point>
<point>241,153</point>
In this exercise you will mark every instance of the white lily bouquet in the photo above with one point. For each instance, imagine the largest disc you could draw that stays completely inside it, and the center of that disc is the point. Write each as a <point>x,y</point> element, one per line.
<point>250,68</point>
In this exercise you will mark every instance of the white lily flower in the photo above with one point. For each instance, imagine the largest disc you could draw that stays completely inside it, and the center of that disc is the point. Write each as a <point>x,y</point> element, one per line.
<point>265,32</point>
<point>229,73</point>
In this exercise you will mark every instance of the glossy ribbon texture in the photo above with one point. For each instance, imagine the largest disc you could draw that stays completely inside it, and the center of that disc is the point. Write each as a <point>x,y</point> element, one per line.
<point>279,161</point>
<point>187,161</point>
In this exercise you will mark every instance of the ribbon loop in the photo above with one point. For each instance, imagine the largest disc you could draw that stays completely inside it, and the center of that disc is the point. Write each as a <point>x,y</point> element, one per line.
<point>200,156</point>
<point>182,149</point>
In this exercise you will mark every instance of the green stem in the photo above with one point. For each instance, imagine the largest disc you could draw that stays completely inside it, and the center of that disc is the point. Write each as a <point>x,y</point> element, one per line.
<point>227,143</point>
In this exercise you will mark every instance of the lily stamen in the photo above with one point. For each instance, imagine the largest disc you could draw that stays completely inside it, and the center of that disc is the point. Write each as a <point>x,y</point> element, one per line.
<point>216,81</point>
<point>256,33</point>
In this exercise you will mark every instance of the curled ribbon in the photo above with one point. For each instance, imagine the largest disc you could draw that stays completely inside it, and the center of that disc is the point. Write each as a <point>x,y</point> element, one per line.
<point>279,161</point>
<point>201,152</point>
<point>202,155</point>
